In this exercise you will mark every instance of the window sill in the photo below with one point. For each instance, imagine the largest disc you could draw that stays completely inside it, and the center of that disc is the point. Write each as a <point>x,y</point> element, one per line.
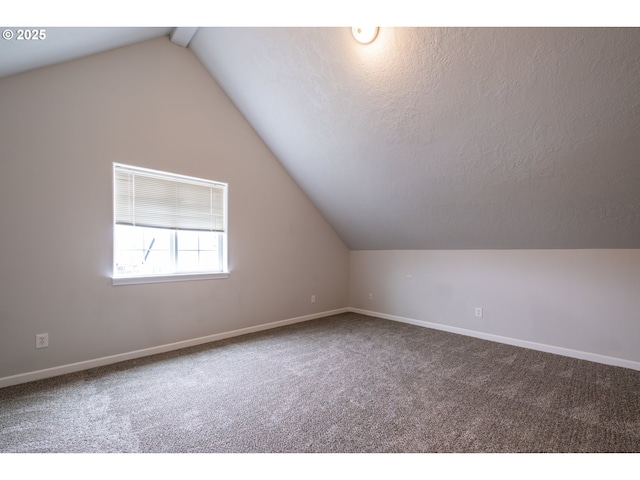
<point>184,277</point>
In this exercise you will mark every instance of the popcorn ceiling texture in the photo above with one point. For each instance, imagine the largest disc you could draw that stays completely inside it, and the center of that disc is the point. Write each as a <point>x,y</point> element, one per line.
<point>448,138</point>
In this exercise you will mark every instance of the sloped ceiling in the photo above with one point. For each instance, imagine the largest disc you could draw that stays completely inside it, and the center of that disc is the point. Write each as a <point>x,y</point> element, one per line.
<point>448,138</point>
<point>431,138</point>
<point>60,44</point>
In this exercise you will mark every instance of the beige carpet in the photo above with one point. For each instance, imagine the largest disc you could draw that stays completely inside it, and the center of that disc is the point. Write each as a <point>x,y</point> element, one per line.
<point>347,383</point>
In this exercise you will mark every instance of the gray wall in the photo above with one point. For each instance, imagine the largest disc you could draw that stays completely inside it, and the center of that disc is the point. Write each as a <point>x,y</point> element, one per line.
<point>151,105</point>
<point>581,300</point>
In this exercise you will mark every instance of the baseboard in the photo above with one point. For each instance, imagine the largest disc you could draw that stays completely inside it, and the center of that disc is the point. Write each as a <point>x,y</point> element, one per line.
<point>99,362</point>
<point>592,357</point>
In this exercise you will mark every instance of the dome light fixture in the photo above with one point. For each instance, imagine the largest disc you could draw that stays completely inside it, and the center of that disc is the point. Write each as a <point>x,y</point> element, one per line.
<point>365,35</point>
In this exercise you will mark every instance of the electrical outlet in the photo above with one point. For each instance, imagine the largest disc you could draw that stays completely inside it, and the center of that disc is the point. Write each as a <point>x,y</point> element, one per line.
<point>313,299</point>
<point>42,340</point>
<point>371,296</point>
<point>478,311</point>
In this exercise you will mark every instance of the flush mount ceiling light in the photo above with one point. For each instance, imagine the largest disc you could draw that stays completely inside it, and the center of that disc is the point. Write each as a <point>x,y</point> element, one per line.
<point>365,34</point>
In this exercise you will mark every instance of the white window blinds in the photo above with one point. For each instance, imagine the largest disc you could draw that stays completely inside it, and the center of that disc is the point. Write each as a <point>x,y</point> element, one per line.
<point>147,198</point>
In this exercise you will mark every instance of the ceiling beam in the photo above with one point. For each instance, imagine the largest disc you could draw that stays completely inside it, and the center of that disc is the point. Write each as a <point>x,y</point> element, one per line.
<point>183,35</point>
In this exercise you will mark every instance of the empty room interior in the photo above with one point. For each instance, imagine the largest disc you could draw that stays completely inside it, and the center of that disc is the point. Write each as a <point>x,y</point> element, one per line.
<point>423,240</point>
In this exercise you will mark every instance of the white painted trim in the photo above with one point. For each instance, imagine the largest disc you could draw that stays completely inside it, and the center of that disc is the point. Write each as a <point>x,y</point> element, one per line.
<point>99,362</point>
<point>567,352</point>
<point>174,277</point>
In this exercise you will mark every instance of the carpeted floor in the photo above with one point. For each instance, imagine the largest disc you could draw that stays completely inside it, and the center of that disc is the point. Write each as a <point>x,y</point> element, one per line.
<point>346,383</point>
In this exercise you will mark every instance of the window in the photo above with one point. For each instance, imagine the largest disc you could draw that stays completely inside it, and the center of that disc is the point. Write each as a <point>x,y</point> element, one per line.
<point>167,227</point>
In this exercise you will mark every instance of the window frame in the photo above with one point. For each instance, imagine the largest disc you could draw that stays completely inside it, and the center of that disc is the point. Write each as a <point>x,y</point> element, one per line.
<point>174,276</point>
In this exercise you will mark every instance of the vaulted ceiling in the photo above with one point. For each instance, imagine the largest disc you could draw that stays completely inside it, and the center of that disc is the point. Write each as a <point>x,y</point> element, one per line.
<point>447,138</point>
<point>62,44</point>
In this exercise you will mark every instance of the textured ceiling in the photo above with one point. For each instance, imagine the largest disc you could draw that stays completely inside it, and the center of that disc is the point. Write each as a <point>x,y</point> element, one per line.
<point>431,138</point>
<point>448,138</point>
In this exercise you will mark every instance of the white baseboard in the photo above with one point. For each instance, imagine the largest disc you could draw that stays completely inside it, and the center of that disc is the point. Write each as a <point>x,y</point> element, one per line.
<point>592,357</point>
<point>99,362</point>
